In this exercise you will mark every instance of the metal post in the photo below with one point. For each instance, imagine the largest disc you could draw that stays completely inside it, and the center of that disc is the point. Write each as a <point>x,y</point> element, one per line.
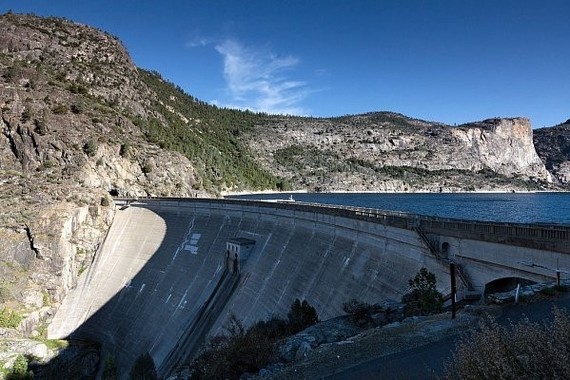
<point>558,278</point>
<point>453,289</point>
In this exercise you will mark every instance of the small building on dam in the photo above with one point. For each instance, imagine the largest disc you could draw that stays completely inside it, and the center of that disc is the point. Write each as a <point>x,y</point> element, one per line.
<point>238,250</point>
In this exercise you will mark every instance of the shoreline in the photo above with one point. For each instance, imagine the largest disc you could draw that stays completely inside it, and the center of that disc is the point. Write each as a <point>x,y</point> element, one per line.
<point>273,192</point>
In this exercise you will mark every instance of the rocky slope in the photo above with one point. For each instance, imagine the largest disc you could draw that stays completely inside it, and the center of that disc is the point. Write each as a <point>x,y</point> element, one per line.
<point>390,152</point>
<point>553,146</point>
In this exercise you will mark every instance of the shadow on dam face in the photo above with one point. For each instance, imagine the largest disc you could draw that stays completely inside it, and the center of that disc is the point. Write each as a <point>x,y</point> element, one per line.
<point>146,283</point>
<point>159,266</point>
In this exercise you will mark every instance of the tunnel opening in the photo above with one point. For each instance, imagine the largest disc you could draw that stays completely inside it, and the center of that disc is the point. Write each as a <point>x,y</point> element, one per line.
<point>506,284</point>
<point>445,250</point>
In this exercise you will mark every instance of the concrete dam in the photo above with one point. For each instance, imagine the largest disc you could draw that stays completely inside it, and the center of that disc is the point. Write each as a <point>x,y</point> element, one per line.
<point>171,271</point>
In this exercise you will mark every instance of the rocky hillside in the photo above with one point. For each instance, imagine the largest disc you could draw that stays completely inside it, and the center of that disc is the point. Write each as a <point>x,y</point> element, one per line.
<point>390,152</point>
<point>80,122</point>
<point>553,146</point>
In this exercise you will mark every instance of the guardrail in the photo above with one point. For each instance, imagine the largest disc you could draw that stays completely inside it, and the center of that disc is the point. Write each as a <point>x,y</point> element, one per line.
<point>493,231</point>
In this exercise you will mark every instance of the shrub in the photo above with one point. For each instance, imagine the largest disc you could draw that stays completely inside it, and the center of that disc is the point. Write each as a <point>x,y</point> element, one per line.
<point>124,150</point>
<point>548,291</point>
<point>90,148</point>
<point>301,315</point>
<point>12,72</point>
<point>524,351</point>
<point>562,288</point>
<point>218,356</point>
<point>110,369</point>
<point>143,368</point>
<point>48,164</point>
<point>77,107</point>
<point>9,318</point>
<point>237,350</point>
<point>60,109</point>
<point>359,312</point>
<point>20,369</point>
<point>274,328</point>
<point>147,167</point>
<point>46,299</point>
<point>423,298</point>
<point>105,202</point>
<point>40,126</point>
<point>5,292</point>
<point>78,88</point>
<point>26,115</point>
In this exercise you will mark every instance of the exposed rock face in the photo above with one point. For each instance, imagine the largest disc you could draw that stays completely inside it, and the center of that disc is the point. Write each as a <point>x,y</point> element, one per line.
<point>68,99</point>
<point>553,146</point>
<point>502,145</point>
<point>389,152</point>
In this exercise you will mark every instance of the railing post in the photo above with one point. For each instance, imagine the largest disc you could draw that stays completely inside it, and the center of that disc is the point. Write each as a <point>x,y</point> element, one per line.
<point>453,289</point>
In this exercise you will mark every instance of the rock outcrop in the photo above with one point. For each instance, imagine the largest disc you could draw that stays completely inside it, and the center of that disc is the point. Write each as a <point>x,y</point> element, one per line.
<point>390,152</point>
<point>553,146</point>
<point>502,145</point>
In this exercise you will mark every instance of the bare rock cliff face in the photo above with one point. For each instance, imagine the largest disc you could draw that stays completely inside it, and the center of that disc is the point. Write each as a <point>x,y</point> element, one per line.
<point>553,146</point>
<point>390,152</point>
<point>48,253</point>
<point>502,145</point>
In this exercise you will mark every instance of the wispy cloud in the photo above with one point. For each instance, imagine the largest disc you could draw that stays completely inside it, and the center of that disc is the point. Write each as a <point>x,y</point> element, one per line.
<point>259,80</point>
<point>198,41</point>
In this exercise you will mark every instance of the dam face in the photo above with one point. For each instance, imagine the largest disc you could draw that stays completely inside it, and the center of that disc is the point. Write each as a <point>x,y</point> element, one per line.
<point>160,269</point>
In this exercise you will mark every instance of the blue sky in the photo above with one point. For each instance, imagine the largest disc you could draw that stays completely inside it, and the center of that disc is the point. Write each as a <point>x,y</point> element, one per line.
<point>452,61</point>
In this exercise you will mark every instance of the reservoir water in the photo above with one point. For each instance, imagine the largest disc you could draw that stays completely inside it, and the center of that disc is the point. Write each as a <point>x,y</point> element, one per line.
<point>551,208</point>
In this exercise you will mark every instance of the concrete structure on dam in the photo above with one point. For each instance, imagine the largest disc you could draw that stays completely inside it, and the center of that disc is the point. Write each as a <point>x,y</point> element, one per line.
<point>172,270</point>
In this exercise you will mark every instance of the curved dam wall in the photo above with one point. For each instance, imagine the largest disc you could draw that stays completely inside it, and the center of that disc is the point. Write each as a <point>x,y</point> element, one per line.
<point>163,259</point>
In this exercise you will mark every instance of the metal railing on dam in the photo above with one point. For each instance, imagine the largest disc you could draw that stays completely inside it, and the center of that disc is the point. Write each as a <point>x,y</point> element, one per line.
<point>553,237</point>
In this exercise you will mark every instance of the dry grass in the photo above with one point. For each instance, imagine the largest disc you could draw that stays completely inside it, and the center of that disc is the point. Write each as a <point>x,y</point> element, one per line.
<point>526,350</point>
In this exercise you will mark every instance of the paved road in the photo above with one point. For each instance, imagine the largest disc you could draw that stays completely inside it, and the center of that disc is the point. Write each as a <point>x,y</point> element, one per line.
<point>428,361</point>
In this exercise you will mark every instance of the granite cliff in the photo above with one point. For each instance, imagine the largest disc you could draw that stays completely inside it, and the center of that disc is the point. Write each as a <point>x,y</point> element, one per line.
<point>553,146</point>
<point>389,152</point>
<point>80,122</point>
